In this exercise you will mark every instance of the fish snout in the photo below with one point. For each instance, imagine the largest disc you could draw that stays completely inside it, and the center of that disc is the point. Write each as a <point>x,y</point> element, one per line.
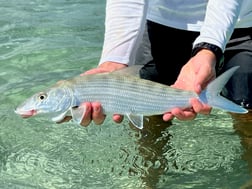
<point>25,113</point>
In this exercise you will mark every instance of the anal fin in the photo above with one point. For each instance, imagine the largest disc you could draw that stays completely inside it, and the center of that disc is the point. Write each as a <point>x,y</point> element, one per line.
<point>136,120</point>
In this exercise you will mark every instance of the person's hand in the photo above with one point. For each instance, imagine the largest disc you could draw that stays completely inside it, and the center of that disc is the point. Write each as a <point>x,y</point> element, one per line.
<point>105,67</point>
<point>93,110</point>
<point>194,76</point>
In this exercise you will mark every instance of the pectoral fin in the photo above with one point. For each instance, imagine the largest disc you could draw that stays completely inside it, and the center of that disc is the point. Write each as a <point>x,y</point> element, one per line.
<point>59,118</point>
<point>78,113</point>
<point>136,120</point>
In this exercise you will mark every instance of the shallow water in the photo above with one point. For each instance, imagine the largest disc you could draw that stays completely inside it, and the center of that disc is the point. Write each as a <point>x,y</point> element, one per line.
<point>42,42</point>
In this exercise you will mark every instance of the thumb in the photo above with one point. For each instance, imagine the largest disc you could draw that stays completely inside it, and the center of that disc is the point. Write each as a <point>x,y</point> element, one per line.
<point>202,79</point>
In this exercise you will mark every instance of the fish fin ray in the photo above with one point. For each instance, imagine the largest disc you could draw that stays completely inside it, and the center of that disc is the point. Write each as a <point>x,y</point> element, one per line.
<point>227,105</point>
<point>212,97</point>
<point>78,114</point>
<point>60,117</point>
<point>136,120</point>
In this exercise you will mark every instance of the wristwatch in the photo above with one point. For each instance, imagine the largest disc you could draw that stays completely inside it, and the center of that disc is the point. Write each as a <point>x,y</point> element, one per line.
<point>214,48</point>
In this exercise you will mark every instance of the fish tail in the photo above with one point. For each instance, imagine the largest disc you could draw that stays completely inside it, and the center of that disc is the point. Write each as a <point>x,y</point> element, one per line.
<point>212,97</point>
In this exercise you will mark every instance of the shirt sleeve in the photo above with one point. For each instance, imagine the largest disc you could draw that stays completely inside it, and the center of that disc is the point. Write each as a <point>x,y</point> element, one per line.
<point>124,27</point>
<point>219,23</point>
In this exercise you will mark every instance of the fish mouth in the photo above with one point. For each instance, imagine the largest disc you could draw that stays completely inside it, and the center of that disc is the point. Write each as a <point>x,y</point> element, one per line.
<point>26,114</point>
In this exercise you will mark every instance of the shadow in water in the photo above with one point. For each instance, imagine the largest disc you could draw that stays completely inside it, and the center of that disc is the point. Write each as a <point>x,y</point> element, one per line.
<point>243,127</point>
<point>152,145</point>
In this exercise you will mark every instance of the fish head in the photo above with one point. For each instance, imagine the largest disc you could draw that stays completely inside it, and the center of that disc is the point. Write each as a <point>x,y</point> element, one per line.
<point>53,102</point>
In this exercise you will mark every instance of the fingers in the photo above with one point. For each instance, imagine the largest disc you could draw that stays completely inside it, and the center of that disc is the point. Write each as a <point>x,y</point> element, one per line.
<point>168,116</point>
<point>97,114</point>
<point>199,107</point>
<point>94,71</point>
<point>117,118</point>
<point>202,80</point>
<point>105,67</point>
<point>93,113</point>
<point>87,118</point>
<point>180,114</point>
<point>184,115</point>
<point>203,76</point>
<point>189,113</point>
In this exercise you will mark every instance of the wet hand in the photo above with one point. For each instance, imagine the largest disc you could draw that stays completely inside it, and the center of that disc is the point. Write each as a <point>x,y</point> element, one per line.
<point>194,76</point>
<point>93,112</point>
<point>105,67</point>
<point>189,113</point>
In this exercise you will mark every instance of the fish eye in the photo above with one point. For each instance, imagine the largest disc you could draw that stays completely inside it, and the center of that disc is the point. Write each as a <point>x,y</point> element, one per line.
<point>42,96</point>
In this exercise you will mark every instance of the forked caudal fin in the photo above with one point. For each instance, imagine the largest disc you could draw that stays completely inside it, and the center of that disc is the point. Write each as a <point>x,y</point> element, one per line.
<point>212,97</point>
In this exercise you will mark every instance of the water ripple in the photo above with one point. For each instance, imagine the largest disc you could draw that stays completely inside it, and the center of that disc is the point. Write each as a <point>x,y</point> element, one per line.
<point>25,163</point>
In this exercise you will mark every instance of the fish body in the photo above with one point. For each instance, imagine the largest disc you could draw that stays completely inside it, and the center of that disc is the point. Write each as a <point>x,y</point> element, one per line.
<point>121,94</point>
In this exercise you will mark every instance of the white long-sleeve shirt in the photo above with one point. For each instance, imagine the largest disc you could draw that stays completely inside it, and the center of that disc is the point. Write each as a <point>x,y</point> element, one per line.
<point>214,19</point>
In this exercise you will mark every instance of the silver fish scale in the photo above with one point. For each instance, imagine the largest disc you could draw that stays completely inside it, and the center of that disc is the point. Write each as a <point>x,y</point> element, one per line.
<point>123,94</point>
<point>127,94</point>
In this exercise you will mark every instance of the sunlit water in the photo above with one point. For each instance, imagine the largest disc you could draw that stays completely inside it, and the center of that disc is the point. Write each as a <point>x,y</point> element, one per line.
<point>42,42</point>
